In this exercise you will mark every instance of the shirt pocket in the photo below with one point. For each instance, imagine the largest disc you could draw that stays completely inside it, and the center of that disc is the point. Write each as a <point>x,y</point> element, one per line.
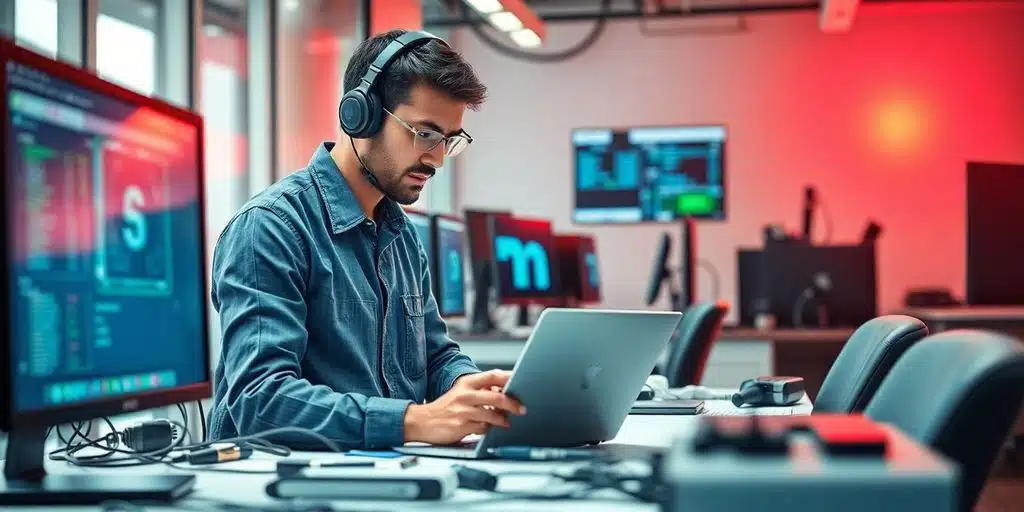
<point>414,350</point>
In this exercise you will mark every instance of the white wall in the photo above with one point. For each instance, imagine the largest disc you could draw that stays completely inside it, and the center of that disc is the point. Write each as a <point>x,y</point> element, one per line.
<point>881,120</point>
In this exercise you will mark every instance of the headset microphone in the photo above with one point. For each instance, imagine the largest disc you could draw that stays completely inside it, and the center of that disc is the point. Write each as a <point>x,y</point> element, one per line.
<point>370,177</point>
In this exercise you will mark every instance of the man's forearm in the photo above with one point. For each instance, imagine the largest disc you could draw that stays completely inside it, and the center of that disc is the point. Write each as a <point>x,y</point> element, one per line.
<point>350,419</point>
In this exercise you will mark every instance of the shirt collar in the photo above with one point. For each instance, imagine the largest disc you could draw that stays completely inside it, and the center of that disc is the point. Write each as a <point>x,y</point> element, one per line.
<point>343,210</point>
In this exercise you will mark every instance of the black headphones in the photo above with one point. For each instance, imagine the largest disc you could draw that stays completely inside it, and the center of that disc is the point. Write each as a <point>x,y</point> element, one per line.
<point>360,111</point>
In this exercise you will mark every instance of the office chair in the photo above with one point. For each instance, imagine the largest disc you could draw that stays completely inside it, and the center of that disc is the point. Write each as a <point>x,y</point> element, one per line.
<point>959,392</point>
<point>689,350</point>
<point>865,360</point>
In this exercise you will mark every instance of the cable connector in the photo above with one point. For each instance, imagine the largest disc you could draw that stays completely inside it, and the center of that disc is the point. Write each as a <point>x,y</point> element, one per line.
<point>150,436</point>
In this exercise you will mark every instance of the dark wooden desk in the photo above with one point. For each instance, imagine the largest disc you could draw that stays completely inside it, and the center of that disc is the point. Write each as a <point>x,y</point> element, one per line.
<point>1007,319</point>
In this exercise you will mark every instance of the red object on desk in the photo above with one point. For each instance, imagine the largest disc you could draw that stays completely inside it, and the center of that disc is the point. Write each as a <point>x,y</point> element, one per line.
<point>849,434</point>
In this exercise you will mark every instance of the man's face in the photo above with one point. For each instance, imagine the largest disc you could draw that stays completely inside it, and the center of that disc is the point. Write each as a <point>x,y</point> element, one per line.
<point>402,168</point>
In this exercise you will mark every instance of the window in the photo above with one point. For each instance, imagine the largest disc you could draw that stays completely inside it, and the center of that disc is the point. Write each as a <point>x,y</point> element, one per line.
<point>224,85</point>
<point>126,43</point>
<point>315,41</point>
<point>35,25</point>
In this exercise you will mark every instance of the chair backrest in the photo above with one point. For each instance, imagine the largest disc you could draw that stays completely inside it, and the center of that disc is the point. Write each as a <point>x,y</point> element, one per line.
<point>959,392</point>
<point>866,358</point>
<point>692,345</point>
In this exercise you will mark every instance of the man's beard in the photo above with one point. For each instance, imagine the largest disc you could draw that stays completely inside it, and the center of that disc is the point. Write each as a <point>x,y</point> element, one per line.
<point>378,172</point>
<point>401,192</point>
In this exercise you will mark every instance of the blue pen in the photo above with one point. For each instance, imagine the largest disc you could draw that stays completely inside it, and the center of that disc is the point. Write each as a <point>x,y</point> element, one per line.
<point>377,454</point>
<point>528,453</point>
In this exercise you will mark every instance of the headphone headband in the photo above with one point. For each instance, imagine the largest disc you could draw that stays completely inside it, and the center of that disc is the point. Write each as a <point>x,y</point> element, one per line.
<point>360,109</point>
<point>398,45</point>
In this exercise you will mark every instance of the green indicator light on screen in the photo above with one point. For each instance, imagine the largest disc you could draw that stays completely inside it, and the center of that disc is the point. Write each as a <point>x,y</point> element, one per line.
<point>692,204</point>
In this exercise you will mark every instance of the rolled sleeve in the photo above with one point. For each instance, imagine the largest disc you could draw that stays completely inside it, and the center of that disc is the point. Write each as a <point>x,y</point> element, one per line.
<point>385,422</point>
<point>453,372</point>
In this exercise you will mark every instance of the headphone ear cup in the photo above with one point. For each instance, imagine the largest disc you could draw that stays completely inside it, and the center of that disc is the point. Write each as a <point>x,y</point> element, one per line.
<point>353,113</point>
<point>375,115</point>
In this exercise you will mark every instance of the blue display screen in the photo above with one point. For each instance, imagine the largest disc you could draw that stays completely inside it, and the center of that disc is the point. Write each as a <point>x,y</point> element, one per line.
<point>421,223</point>
<point>451,296</point>
<point>655,174</point>
<point>105,250</point>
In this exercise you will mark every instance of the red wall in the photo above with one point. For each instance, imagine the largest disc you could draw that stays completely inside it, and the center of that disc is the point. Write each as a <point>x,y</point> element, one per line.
<point>881,120</point>
<point>387,15</point>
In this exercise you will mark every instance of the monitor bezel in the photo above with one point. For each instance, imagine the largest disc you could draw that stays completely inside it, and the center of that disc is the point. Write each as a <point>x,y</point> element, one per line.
<point>435,271</point>
<point>584,275</point>
<point>574,179</point>
<point>9,418</point>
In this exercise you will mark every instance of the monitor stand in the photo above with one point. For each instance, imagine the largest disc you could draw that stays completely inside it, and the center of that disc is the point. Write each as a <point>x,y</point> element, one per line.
<point>26,482</point>
<point>523,319</point>
<point>480,321</point>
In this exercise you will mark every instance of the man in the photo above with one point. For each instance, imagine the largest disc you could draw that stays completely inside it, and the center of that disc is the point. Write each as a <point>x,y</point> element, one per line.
<point>328,320</point>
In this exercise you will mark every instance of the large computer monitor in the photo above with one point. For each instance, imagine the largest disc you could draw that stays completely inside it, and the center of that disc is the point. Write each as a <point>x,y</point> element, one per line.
<point>578,268</point>
<point>525,260</point>
<point>102,213</point>
<point>449,278</point>
<point>995,276</point>
<point>652,174</point>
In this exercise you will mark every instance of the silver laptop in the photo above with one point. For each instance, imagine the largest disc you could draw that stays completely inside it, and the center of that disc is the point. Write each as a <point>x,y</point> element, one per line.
<point>578,376</point>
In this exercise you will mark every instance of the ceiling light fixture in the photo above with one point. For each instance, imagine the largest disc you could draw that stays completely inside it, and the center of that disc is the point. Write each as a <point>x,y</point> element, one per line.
<point>514,18</point>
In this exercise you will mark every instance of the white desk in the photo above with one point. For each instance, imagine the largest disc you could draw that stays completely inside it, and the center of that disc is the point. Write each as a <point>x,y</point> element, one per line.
<point>243,489</point>
<point>655,431</point>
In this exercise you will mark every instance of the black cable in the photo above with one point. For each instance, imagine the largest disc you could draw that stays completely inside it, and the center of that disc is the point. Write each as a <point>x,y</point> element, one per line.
<point>328,443</point>
<point>716,278</point>
<point>184,417</point>
<point>582,46</point>
<point>76,428</point>
<point>202,419</point>
<point>112,441</point>
<point>827,215</point>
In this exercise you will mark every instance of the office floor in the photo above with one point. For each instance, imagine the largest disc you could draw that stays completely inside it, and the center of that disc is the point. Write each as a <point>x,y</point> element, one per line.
<point>1005,489</point>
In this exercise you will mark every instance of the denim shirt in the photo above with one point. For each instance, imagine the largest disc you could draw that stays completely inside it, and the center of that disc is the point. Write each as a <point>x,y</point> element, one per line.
<point>328,320</point>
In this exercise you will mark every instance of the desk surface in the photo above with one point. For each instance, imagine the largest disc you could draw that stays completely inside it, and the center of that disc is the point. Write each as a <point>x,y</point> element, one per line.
<point>249,489</point>
<point>646,431</point>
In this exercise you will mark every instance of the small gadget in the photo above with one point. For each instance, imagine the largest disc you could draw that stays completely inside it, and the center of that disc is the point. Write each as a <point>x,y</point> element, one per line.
<point>769,392</point>
<point>684,407</point>
<point>578,376</point>
<point>355,483</point>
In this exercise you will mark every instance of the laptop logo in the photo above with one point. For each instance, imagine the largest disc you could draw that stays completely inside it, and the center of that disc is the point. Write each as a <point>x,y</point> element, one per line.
<point>590,376</point>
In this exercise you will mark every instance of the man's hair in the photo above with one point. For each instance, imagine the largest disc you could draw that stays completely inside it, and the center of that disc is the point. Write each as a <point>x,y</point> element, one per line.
<point>432,63</point>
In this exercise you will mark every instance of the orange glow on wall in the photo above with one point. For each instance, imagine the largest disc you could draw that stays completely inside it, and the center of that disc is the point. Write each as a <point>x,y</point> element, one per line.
<point>899,126</point>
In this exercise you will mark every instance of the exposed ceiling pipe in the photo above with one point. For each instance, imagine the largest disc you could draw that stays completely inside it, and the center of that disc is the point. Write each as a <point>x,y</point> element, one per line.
<point>638,13</point>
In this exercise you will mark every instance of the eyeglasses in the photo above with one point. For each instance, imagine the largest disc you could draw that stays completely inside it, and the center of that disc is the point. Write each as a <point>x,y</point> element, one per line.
<point>427,140</point>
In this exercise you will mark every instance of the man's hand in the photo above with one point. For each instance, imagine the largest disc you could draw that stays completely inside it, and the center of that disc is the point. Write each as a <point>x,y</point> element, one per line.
<point>474,404</point>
